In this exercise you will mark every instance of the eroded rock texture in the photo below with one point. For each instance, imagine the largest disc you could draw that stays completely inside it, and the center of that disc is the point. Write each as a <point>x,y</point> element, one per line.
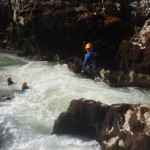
<point>134,63</point>
<point>135,53</point>
<point>115,127</point>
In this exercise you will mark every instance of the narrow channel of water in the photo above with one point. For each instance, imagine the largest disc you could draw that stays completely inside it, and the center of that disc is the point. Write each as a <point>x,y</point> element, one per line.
<point>26,122</point>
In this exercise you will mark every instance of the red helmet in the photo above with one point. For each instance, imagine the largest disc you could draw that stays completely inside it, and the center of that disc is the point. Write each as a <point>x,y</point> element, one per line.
<point>24,83</point>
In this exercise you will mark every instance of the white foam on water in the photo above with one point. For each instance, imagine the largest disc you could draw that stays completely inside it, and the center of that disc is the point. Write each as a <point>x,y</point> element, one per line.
<point>26,122</point>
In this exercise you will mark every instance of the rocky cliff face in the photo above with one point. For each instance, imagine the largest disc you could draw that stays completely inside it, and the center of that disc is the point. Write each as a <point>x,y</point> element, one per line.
<point>119,31</point>
<point>115,127</point>
<point>134,54</point>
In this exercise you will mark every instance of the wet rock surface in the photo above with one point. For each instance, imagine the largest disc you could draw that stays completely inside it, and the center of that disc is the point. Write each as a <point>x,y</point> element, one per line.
<point>117,126</point>
<point>119,31</point>
<point>6,98</point>
<point>122,79</point>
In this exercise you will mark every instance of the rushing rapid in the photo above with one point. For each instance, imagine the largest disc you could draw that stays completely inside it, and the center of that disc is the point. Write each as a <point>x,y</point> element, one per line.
<point>26,122</point>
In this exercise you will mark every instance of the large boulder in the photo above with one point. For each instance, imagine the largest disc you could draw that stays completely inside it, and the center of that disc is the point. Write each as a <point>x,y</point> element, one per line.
<point>118,126</point>
<point>81,118</point>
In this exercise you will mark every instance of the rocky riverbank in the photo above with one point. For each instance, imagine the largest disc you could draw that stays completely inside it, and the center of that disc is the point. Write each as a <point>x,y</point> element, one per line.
<point>117,126</point>
<point>58,30</point>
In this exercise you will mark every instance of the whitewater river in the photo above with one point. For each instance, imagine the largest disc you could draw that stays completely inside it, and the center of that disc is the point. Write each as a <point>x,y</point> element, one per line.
<point>26,122</point>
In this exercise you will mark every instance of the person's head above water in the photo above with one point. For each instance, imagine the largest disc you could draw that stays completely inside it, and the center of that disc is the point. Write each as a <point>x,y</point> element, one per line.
<point>9,81</point>
<point>9,78</point>
<point>24,83</point>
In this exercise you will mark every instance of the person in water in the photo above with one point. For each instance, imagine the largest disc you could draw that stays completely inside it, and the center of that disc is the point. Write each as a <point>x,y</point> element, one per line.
<point>9,81</point>
<point>90,62</point>
<point>24,87</point>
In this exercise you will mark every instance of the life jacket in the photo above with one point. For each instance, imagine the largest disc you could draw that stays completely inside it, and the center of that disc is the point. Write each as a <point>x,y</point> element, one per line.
<point>93,60</point>
<point>24,88</point>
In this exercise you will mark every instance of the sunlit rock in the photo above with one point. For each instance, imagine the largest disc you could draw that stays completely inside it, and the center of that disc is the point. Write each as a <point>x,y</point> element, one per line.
<point>117,126</point>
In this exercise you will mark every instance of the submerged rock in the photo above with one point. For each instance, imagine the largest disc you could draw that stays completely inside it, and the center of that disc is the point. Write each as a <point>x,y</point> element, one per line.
<point>6,98</point>
<point>117,126</point>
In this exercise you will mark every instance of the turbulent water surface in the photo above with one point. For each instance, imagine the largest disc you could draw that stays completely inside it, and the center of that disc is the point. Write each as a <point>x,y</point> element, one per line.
<point>26,122</point>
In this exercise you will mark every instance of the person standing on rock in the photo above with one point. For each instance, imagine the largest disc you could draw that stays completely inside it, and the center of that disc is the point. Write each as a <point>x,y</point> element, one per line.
<point>90,62</point>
